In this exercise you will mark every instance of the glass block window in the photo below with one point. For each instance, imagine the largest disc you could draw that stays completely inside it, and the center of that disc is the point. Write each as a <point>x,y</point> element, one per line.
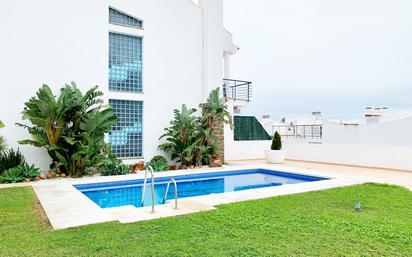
<point>125,63</point>
<point>125,138</point>
<point>123,19</point>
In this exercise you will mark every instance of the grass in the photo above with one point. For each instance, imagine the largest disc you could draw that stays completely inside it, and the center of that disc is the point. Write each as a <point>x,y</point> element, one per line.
<point>312,224</point>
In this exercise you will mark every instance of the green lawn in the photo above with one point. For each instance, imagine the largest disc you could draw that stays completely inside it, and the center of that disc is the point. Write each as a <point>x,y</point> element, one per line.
<point>312,224</point>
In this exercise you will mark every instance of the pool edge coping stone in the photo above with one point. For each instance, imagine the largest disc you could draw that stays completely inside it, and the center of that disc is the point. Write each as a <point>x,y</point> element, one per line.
<point>67,207</point>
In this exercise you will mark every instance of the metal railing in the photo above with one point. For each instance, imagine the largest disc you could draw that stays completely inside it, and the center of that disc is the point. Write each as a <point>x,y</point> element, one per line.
<point>167,190</point>
<point>237,90</point>
<point>298,131</point>
<point>149,169</point>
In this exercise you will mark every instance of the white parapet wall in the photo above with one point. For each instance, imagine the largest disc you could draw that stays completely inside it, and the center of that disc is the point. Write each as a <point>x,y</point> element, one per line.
<point>378,156</point>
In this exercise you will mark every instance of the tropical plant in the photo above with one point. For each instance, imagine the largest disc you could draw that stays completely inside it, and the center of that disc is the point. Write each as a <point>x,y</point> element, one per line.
<point>215,110</point>
<point>70,126</point>
<point>11,159</point>
<point>195,140</point>
<point>3,145</point>
<point>214,116</point>
<point>28,171</point>
<point>114,168</point>
<point>159,163</point>
<point>208,148</point>
<point>276,142</point>
<point>183,137</point>
<point>12,175</point>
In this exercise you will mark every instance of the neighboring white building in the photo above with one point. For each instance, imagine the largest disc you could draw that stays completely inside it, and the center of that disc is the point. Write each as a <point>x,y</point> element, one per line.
<point>147,56</point>
<point>379,126</point>
<point>308,129</point>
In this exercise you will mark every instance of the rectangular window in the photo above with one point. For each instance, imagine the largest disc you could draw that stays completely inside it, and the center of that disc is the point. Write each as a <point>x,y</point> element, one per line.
<point>119,18</point>
<point>125,138</point>
<point>125,63</point>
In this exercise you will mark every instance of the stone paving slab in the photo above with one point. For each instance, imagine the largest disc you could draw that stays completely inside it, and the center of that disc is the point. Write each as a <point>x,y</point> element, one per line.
<point>67,207</point>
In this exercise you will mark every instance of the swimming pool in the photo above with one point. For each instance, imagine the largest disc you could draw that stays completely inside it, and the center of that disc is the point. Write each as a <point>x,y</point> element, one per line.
<point>121,193</point>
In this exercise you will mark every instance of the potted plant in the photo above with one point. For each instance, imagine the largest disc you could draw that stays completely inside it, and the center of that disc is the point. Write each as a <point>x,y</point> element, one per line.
<point>276,154</point>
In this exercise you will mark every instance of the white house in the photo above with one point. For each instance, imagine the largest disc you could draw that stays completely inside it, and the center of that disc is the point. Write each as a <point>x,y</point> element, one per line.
<point>148,56</point>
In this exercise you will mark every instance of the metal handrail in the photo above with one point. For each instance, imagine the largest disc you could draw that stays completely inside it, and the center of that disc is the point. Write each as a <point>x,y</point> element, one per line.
<point>167,190</point>
<point>237,89</point>
<point>144,187</point>
<point>310,131</point>
<point>236,80</point>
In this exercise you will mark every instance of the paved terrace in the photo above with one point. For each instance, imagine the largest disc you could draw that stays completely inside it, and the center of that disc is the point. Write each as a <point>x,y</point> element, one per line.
<point>385,176</point>
<point>67,207</point>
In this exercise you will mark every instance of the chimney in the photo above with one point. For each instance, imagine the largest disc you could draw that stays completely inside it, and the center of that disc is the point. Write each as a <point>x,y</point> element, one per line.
<point>372,115</point>
<point>317,114</point>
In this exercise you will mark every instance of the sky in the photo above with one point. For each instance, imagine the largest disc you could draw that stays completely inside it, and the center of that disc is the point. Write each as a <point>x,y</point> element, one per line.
<point>333,56</point>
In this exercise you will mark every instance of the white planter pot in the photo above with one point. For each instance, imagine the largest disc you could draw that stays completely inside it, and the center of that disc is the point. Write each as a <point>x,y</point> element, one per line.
<point>275,156</point>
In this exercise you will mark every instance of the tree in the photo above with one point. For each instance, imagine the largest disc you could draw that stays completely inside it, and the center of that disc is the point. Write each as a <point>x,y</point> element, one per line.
<point>214,116</point>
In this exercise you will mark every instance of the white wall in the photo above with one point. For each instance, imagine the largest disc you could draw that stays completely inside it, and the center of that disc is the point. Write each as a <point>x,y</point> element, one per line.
<point>246,150</point>
<point>50,42</point>
<point>213,44</point>
<point>396,133</point>
<point>380,156</point>
<point>55,42</point>
<point>172,61</point>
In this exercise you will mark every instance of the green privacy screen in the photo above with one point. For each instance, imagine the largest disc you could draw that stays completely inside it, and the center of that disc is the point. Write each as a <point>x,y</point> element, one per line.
<point>249,128</point>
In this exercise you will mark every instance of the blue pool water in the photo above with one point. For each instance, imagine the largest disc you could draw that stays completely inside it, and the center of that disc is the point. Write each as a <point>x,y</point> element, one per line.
<point>114,194</point>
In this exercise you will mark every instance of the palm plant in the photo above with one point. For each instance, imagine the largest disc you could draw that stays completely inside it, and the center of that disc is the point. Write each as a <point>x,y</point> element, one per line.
<point>3,145</point>
<point>215,110</point>
<point>195,141</point>
<point>214,116</point>
<point>71,127</point>
<point>182,137</point>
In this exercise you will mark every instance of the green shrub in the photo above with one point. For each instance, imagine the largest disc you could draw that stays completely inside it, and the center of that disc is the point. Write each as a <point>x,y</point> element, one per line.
<point>12,175</point>
<point>114,168</point>
<point>29,171</point>
<point>11,159</point>
<point>276,142</point>
<point>159,163</point>
<point>70,126</point>
<point>19,173</point>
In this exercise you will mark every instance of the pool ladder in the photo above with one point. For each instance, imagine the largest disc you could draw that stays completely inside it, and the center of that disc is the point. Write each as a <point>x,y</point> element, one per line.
<point>149,169</point>
<point>167,190</point>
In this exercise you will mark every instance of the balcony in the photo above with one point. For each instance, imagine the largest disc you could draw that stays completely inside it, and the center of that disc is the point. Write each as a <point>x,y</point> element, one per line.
<point>237,90</point>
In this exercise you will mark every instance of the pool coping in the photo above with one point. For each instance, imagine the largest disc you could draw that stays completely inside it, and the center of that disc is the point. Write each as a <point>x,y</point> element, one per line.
<point>67,207</point>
